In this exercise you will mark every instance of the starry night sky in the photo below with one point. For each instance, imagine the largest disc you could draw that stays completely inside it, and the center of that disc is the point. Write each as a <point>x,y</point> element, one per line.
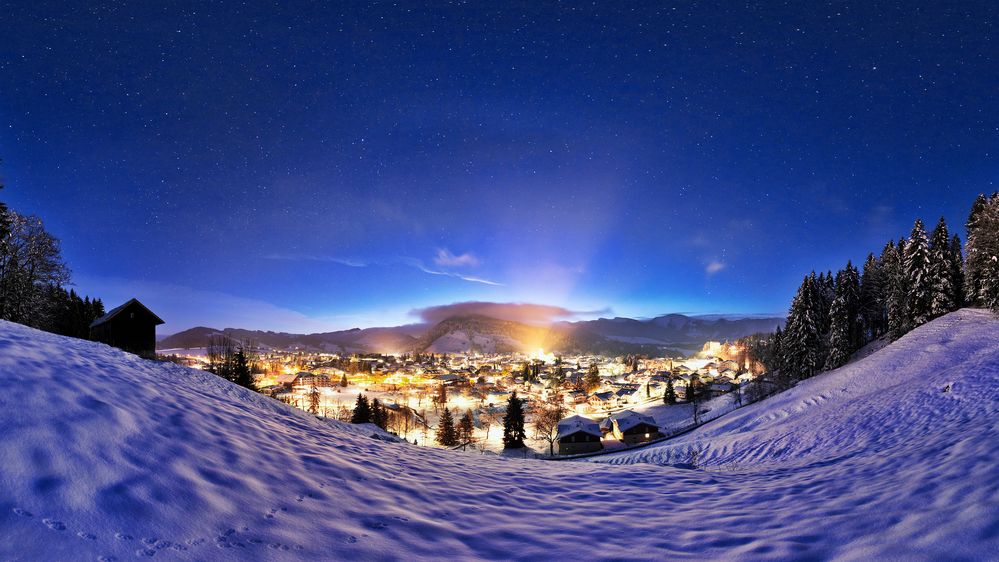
<point>303,167</point>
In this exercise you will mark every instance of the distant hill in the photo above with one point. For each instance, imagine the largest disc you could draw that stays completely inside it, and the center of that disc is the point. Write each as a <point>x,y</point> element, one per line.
<point>358,340</point>
<point>673,334</point>
<point>677,330</point>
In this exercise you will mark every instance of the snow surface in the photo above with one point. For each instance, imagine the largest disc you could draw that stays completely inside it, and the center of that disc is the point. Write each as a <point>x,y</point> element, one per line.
<point>106,456</point>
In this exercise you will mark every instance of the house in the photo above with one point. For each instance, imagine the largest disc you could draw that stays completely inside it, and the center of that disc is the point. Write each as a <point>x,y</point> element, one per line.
<point>630,427</point>
<point>285,380</point>
<point>131,327</point>
<point>305,379</point>
<point>577,434</point>
<point>601,400</point>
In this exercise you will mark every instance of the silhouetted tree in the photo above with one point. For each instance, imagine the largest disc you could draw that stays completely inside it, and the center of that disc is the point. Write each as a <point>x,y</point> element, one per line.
<point>669,394</point>
<point>466,428</point>
<point>362,410</point>
<point>513,424</point>
<point>446,434</point>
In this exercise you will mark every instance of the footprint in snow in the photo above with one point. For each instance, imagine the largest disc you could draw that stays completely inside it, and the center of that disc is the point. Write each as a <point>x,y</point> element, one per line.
<point>149,541</point>
<point>86,536</point>
<point>148,552</point>
<point>351,539</point>
<point>106,559</point>
<point>123,537</point>
<point>23,512</point>
<point>54,525</point>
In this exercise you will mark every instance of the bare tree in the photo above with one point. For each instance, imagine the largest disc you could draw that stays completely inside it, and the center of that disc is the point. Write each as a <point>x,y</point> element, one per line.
<point>314,400</point>
<point>546,421</point>
<point>30,261</point>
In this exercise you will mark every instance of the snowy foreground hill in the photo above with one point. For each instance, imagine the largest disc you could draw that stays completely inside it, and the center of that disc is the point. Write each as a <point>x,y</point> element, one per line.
<point>105,456</point>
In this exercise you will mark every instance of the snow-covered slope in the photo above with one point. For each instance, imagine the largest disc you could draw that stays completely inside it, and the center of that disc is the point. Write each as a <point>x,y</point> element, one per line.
<point>897,452</point>
<point>106,456</point>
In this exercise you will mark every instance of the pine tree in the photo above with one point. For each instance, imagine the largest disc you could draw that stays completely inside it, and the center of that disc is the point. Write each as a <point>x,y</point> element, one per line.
<point>513,424</point>
<point>974,258</point>
<point>982,253</point>
<point>957,271</point>
<point>988,247</point>
<point>848,288</point>
<point>343,381</point>
<point>824,288</point>
<point>362,411</point>
<point>802,340</point>
<point>941,279</point>
<point>241,370</point>
<point>466,427</point>
<point>872,299</point>
<point>918,275</point>
<point>379,416</point>
<point>446,435</point>
<point>669,395</point>
<point>776,365</point>
<point>591,381</point>
<point>840,346</point>
<point>896,288</point>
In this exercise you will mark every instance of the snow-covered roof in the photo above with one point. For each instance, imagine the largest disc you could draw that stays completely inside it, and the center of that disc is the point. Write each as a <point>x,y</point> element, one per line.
<point>629,418</point>
<point>577,424</point>
<point>114,312</point>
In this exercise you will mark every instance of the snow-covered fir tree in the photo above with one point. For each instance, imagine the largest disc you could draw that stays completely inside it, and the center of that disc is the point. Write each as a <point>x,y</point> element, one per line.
<point>957,271</point>
<point>896,287</point>
<point>848,288</point>
<point>802,339</point>
<point>840,346</point>
<point>982,253</point>
<point>974,259</point>
<point>872,299</point>
<point>940,277</point>
<point>919,275</point>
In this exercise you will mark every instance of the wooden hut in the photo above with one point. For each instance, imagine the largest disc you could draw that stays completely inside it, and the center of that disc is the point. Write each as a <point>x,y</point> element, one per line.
<point>131,327</point>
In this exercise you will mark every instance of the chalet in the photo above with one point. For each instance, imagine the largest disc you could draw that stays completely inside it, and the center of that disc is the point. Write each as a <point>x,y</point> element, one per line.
<point>577,434</point>
<point>630,427</point>
<point>131,327</point>
<point>305,379</point>
<point>285,380</point>
<point>601,399</point>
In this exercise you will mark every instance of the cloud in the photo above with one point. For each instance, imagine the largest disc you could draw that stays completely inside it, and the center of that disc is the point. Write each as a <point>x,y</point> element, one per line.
<point>445,258</point>
<point>307,257</point>
<point>714,266</point>
<point>517,312</point>
<point>410,262</point>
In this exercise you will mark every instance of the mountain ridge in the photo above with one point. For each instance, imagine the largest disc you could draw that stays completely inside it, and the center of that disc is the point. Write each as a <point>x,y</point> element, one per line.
<point>673,334</point>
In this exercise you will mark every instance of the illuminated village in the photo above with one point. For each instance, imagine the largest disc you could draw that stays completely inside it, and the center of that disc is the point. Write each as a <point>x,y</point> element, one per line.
<point>625,397</point>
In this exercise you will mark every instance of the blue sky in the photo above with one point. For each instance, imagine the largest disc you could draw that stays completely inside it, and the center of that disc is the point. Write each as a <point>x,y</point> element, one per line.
<point>305,168</point>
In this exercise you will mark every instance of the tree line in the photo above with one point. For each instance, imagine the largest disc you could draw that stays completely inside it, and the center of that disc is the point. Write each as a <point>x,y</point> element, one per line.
<point>33,279</point>
<point>911,281</point>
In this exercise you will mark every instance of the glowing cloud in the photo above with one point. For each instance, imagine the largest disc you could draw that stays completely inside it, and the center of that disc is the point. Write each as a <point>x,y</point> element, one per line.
<point>518,312</point>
